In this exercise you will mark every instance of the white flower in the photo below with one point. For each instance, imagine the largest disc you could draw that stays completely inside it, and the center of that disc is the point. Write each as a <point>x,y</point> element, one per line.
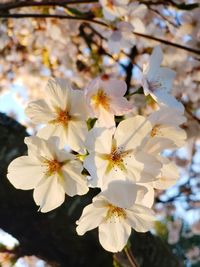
<point>104,98</point>
<point>49,171</point>
<point>64,113</point>
<point>165,122</point>
<point>116,154</point>
<point>157,81</point>
<point>115,212</point>
<point>114,8</point>
<point>121,37</point>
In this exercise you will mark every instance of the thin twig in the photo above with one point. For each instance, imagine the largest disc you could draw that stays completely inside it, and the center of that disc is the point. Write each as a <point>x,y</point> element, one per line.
<point>163,17</point>
<point>186,48</point>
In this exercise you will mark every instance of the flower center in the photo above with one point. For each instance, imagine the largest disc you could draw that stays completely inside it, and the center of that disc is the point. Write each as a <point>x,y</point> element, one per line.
<point>52,166</point>
<point>101,99</point>
<point>156,131</point>
<point>115,212</point>
<point>63,117</point>
<point>115,158</point>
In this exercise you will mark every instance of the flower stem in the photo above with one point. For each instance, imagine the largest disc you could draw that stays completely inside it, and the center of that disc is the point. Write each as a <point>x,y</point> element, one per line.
<point>130,257</point>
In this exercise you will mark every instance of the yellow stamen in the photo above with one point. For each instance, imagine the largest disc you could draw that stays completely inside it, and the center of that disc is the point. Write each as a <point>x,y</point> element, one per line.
<point>115,158</point>
<point>115,212</point>
<point>101,99</point>
<point>52,166</point>
<point>63,117</point>
<point>155,130</point>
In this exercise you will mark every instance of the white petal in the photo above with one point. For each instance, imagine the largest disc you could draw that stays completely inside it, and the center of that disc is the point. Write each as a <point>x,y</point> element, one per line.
<point>77,105</point>
<point>176,134</point>
<point>25,173</point>
<point>143,168</point>
<point>130,132</point>
<point>39,112</point>
<point>138,25</point>
<point>99,140</point>
<point>154,62</point>
<point>115,87</point>
<point>90,166</point>
<point>90,219</point>
<point>124,193</point>
<point>120,106</point>
<point>105,118</point>
<point>156,145</point>
<point>58,93</point>
<point>40,147</point>
<point>164,116</point>
<point>140,218</point>
<point>145,197</point>
<point>74,182</point>
<point>76,135</point>
<point>170,101</point>
<point>50,130</point>
<point>168,177</point>
<point>167,76</point>
<point>113,235</point>
<point>49,194</point>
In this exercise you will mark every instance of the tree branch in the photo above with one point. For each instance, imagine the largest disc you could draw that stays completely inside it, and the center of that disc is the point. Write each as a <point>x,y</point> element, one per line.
<point>58,16</point>
<point>12,5</point>
<point>182,6</point>
<point>16,4</point>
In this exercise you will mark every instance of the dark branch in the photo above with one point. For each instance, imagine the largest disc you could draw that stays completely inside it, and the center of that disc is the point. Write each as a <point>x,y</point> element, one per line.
<point>182,6</point>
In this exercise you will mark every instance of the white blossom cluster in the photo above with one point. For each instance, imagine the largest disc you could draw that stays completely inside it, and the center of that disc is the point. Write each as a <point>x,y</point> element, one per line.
<point>124,160</point>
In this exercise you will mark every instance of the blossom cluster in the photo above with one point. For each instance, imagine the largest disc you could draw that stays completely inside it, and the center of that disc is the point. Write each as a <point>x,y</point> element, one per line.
<point>122,156</point>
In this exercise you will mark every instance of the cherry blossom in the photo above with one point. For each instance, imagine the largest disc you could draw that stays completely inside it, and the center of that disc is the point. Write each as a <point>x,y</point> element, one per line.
<point>51,172</point>
<point>104,98</point>
<point>118,154</point>
<point>115,212</point>
<point>166,127</point>
<point>157,81</point>
<point>63,112</point>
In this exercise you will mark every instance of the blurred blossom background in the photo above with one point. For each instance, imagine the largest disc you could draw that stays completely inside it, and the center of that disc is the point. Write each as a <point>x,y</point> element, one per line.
<point>34,49</point>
